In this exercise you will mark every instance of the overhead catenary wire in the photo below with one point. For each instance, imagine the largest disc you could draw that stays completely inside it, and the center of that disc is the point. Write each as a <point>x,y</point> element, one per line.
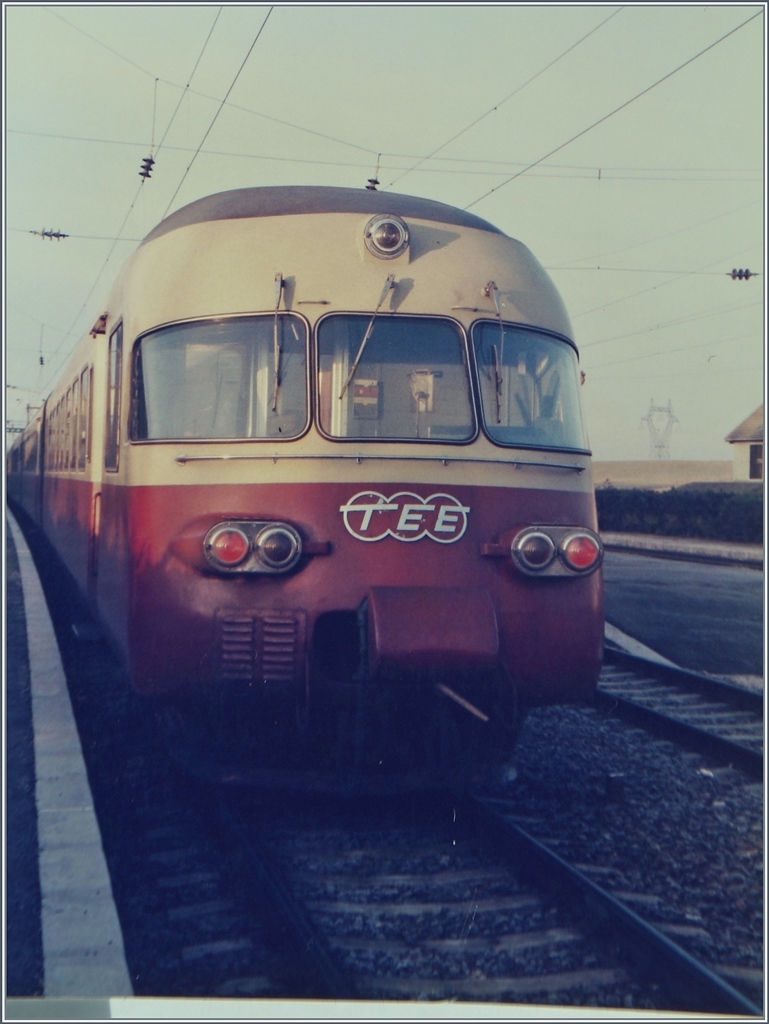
<point>509,97</point>
<point>189,80</point>
<point>208,96</point>
<point>593,367</point>
<point>91,290</point>
<point>133,203</point>
<point>723,261</point>
<point>643,270</point>
<point>668,234</point>
<point>100,42</point>
<point>566,171</point>
<point>669,323</point>
<point>219,110</point>
<point>98,238</point>
<point>119,236</point>
<point>616,110</point>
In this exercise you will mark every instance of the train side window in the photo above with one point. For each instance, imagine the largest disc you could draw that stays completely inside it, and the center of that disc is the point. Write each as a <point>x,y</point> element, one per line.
<point>528,387</point>
<point>410,382</point>
<point>57,437</point>
<point>29,446</point>
<point>60,434</point>
<point>236,378</point>
<point>67,427</point>
<point>75,423</point>
<point>84,430</point>
<point>52,440</point>
<point>114,375</point>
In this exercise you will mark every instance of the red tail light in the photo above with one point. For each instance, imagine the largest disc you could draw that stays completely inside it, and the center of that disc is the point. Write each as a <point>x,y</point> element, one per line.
<point>228,546</point>
<point>581,552</point>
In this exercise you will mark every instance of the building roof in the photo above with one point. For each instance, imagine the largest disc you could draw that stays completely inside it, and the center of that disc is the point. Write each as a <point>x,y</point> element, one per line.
<point>751,429</point>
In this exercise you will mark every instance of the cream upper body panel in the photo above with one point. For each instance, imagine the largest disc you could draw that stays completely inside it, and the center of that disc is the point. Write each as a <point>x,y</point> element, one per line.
<point>314,458</point>
<point>225,267</point>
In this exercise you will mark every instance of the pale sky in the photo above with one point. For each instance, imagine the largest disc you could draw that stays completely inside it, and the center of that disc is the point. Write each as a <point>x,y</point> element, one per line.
<point>623,145</point>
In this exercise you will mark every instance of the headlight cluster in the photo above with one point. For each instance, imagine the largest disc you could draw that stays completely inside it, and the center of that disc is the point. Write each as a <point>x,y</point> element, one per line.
<point>247,546</point>
<point>556,550</point>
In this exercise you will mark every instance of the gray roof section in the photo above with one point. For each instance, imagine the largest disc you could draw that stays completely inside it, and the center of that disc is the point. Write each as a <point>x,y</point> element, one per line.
<point>751,429</point>
<point>283,200</point>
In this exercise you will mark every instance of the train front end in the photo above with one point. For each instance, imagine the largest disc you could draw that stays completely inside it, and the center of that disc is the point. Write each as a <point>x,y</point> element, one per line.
<point>353,513</point>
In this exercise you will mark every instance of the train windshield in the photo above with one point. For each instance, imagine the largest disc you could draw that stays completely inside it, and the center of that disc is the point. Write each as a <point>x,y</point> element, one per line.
<point>244,377</point>
<point>393,377</point>
<point>528,386</point>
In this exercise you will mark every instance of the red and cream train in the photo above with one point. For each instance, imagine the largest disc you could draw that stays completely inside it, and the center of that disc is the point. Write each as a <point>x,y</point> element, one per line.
<point>321,470</point>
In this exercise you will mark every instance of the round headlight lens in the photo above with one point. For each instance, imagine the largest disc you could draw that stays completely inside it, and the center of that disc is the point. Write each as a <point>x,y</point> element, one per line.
<point>278,547</point>
<point>227,546</point>
<point>581,552</point>
<point>386,236</point>
<point>533,551</point>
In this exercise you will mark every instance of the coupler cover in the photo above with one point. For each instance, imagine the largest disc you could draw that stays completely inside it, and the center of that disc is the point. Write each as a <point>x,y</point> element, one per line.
<point>421,627</point>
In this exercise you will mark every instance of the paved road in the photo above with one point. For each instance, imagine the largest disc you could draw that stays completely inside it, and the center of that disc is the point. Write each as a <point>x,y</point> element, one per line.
<point>708,618</point>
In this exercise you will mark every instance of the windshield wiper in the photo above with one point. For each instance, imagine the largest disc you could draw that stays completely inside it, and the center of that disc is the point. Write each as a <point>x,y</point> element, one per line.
<point>497,383</point>
<point>389,284</point>
<point>279,283</point>
<point>492,291</point>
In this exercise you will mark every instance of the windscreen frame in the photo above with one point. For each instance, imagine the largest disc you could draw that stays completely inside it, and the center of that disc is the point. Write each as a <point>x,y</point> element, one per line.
<point>138,426</point>
<point>326,392</point>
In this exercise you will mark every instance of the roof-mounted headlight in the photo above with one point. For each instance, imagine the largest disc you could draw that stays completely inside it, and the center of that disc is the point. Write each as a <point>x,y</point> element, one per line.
<point>386,236</point>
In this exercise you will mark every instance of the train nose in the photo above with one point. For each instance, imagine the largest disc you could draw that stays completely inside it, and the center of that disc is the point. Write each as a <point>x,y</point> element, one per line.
<point>420,627</point>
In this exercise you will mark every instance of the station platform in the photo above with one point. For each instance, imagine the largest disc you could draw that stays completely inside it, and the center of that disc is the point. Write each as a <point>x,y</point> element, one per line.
<point>716,551</point>
<point>63,935</point>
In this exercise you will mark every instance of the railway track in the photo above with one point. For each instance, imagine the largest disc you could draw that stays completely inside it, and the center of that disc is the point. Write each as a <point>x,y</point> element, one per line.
<point>453,901</point>
<point>713,717</point>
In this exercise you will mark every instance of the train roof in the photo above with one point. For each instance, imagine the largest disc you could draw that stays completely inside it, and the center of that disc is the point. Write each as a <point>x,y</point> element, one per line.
<point>285,200</point>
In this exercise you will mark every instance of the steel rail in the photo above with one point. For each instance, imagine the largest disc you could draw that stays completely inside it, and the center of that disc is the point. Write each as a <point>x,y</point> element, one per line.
<point>297,933</point>
<point>717,689</point>
<point>676,728</point>
<point>694,985</point>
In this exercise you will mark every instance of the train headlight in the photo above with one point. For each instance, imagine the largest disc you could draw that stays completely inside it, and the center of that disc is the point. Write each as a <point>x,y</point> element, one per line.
<point>533,551</point>
<point>581,551</point>
<point>278,547</point>
<point>227,546</point>
<point>386,236</point>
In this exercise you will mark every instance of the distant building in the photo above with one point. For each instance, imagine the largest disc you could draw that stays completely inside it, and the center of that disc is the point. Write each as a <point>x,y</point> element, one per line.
<point>748,450</point>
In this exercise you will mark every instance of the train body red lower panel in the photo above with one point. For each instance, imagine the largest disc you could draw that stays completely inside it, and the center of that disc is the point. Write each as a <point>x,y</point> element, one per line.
<point>68,521</point>
<point>182,628</point>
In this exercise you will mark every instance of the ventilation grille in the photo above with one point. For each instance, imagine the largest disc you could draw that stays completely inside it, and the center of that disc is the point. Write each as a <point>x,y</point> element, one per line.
<point>237,647</point>
<point>261,648</point>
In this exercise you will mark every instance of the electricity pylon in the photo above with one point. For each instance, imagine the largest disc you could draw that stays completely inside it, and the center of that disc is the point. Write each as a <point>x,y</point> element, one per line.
<point>660,420</point>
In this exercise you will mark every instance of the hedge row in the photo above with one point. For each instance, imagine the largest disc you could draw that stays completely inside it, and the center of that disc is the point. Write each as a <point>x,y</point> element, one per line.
<point>708,514</point>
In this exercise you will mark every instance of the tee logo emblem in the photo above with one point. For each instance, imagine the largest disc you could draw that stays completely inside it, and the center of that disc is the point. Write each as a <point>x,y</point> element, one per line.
<point>405,516</point>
